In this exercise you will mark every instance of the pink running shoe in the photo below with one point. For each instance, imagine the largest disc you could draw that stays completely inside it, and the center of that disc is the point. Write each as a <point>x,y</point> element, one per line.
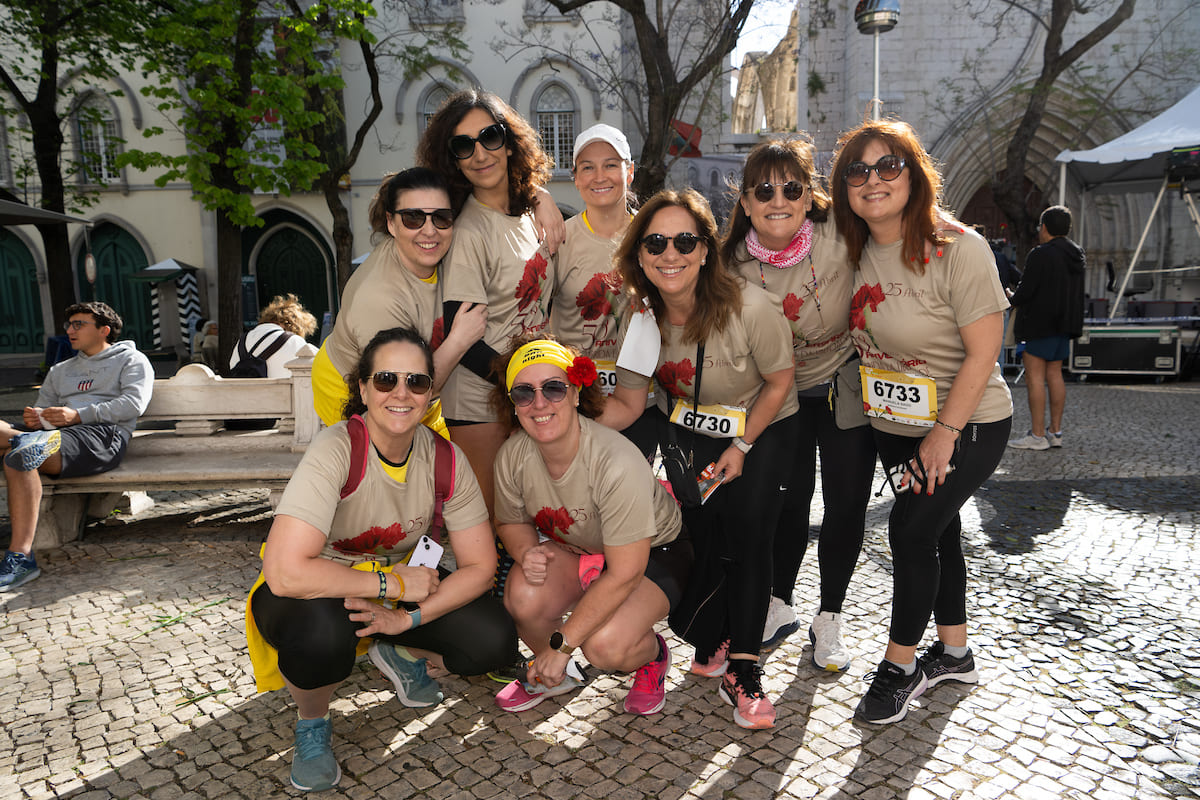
<point>649,692</point>
<point>742,688</point>
<point>716,664</point>
<point>517,696</point>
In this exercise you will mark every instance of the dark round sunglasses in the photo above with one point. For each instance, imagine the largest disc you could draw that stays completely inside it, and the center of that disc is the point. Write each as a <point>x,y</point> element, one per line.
<point>656,243</point>
<point>765,192</point>
<point>492,138</point>
<point>523,394</point>
<point>414,218</point>
<point>416,382</point>
<point>887,168</point>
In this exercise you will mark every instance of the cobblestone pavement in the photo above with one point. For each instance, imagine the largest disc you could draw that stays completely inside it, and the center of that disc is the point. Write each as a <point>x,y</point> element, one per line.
<point>124,670</point>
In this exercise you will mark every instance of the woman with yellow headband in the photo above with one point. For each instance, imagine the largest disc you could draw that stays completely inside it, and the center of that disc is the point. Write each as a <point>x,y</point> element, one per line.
<point>593,534</point>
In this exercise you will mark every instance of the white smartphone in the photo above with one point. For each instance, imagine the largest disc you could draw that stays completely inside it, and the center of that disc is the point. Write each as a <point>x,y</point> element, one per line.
<point>427,553</point>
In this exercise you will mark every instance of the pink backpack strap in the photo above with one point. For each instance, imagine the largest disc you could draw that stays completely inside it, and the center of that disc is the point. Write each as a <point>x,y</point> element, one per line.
<point>443,482</point>
<point>360,444</point>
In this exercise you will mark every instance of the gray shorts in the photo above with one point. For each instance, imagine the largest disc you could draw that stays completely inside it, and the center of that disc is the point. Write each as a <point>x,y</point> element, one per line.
<point>91,449</point>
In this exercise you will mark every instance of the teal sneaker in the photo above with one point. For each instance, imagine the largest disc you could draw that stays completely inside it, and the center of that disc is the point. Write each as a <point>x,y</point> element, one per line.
<point>17,569</point>
<point>30,450</point>
<point>414,687</point>
<point>314,769</point>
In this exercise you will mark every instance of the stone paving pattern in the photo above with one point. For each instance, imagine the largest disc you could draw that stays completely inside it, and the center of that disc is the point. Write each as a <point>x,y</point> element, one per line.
<point>125,675</point>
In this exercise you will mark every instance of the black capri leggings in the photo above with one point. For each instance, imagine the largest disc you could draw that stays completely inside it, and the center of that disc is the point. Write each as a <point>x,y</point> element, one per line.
<point>316,639</point>
<point>930,574</point>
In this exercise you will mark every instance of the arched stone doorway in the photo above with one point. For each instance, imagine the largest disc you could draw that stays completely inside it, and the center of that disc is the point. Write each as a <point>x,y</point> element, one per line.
<point>21,328</point>
<point>981,209</point>
<point>290,255</point>
<point>118,256</point>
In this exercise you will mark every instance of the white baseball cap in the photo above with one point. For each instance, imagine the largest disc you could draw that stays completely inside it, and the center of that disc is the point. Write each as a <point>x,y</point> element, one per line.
<point>602,133</point>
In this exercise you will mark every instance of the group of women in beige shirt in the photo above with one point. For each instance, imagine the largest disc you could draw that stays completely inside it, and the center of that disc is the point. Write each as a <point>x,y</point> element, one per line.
<point>719,349</point>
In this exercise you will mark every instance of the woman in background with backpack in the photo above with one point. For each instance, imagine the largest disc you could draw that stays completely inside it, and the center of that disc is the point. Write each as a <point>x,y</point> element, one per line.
<point>336,562</point>
<point>282,328</point>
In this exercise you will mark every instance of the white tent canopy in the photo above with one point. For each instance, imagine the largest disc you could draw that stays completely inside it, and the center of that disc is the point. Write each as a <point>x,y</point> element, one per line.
<point>1137,162</point>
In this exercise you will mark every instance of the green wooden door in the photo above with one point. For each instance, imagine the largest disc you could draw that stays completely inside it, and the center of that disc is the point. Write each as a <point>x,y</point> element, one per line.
<point>290,261</point>
<point>118,256</point>
<point>21,328</point>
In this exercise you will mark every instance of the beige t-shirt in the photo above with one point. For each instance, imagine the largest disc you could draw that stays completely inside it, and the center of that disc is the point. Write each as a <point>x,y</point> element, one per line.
<point>383,516</point>
<point>909,323</point>
<point>608,496</point>
<point>754,343</point>
<point>588,301</point>
<point>817,308</point>
<point>383,294</point>
<point>494,259</point>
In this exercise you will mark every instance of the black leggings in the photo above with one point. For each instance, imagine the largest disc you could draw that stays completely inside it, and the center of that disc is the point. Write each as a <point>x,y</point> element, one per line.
<point>316,639</point>
<point>736,527</point>
<point>930,573</point>
<point>847,467</point>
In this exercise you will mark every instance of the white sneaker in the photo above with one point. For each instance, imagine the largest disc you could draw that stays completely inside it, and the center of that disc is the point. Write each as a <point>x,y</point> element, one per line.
<point>781,622</point>
<point>1029,442</point>
<point>1055,439</point>
<point>825,633</point>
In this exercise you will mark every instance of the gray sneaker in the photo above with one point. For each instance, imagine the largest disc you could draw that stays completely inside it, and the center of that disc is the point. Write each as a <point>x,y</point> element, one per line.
<point>1029,442</point>
<point>414,687</point>
<point>314,769</point>
<point>17,569</point>
<point>1055,439</point>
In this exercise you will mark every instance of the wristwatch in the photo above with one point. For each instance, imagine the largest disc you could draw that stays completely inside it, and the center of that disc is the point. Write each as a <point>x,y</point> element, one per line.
<point>559,643</point>
<point>742,444</point>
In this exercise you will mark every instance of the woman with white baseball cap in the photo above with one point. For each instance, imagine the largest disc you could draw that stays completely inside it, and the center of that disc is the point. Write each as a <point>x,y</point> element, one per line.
<point>589,301</point>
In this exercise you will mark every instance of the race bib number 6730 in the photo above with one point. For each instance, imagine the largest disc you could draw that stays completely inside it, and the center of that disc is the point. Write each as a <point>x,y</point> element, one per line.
<point>900,397</point>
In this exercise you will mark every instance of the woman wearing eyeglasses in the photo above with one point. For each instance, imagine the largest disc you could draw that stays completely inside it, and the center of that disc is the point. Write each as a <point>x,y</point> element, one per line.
<point>592,532</point>
<point>929,331</point>
<point>590,300</point>
<point>399,285</point>
<point>495,166</point>
<point>780,237</point>
<point>335,564</point>
<point>725,340</point>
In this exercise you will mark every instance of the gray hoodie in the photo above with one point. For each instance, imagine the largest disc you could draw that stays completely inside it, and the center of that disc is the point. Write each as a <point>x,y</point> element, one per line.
<point>113,386</point>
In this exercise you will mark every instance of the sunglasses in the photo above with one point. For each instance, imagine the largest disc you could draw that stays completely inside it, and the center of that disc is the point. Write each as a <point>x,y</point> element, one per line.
<point>414,218</point>
<point>765,192</point>
<point>76,324</point>
<point>887,168</point>
<point>523,394</point>
<point>656,243</point>
<point>492,138</point>
<point>416,382</point>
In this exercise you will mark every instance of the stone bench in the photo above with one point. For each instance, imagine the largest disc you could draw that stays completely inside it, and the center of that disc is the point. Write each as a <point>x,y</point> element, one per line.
<point>197,453</point>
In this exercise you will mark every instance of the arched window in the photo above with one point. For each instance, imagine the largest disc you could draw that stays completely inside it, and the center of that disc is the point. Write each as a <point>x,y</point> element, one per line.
<point>432,99</point>
<point>6,170</point>
<point>556,112</point>
<point>714,179</point>
<point>99,141</point>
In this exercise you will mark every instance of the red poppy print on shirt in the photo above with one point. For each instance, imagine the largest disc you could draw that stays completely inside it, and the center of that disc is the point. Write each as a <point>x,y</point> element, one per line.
<point>529,289</point>
<point>376,539</point>
<point>549,521</point>
<point>673,376</point>
<point>791,306</point>
<point>865,296</point>
<point>439,333</point>
<point>596,299</point>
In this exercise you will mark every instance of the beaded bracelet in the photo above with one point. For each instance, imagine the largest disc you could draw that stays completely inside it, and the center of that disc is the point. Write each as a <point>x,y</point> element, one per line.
<point>957,431</point>
<point>382,585</point>
<point>415,616</point>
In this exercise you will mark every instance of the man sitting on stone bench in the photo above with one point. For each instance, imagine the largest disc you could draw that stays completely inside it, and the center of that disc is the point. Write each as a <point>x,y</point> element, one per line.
<point>85,414</point>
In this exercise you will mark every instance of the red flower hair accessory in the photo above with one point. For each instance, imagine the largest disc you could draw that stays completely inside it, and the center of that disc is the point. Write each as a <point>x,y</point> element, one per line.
<point>582,372</point>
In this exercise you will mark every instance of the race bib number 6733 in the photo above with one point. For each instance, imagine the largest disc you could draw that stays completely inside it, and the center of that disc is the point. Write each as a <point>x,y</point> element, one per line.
<point>900,397</point>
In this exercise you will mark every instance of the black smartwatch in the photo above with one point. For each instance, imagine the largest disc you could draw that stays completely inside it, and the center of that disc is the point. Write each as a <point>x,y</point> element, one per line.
<point>559,643</point>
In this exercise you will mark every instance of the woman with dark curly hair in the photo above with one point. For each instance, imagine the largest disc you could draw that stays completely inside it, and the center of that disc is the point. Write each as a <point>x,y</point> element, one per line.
<point>494,164</point>
<point>336,571</point>
<point>780,237</point>
<point>399,285</point>
<point>593,534</point>
<point>725,371</point>
<point>929,331</point>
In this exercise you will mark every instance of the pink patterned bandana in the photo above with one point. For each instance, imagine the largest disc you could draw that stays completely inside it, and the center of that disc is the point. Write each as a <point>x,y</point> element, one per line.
<point>790,256</point>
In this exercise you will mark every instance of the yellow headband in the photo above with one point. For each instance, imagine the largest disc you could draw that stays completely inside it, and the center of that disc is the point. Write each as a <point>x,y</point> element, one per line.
<point>543,351</point>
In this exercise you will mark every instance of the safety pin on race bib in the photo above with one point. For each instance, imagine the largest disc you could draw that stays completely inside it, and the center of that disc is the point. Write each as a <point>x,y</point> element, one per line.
<point>899,397</point>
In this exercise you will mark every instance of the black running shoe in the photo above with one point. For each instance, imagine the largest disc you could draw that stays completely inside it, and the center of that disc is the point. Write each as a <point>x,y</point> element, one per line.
<point>890,694</point>
<point>938,666</point>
